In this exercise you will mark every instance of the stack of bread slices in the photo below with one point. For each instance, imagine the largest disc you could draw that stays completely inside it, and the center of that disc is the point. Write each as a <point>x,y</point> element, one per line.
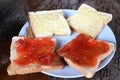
<point>87,21</point>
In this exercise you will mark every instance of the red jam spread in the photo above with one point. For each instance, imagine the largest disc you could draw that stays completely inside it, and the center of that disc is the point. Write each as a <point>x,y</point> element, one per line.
<point>83,50</point>
<point>38,50</point>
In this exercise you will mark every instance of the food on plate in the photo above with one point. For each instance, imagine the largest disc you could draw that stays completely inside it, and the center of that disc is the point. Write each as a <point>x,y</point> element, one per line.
<point>89,21</point>
<point>85,54</point>
<point>29,55</point>
<point>47,23</point>
<point>36,52</point>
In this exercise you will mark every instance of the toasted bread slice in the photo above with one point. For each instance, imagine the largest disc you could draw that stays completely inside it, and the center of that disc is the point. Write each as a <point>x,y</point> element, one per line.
<point>14,68</point>
<point>82,62</point>
<point>88,20</point>
<point>47,23</point>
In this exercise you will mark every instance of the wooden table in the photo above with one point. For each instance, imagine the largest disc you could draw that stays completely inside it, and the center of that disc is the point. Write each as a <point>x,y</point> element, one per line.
<point>12,18</point>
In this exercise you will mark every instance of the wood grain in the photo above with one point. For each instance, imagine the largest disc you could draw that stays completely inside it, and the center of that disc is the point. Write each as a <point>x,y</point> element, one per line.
<point>12,18</point>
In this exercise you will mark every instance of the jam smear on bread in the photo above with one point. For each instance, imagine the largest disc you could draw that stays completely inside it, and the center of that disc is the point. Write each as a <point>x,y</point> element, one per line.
<point>83,50</point>
<point>40,51</point>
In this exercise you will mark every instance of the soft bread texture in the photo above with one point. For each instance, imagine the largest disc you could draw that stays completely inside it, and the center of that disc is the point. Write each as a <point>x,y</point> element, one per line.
<point>107,17</point>
<point>14,69</point>
<point>47,23</point>
<point>88,20</point>
<point>90,71</point>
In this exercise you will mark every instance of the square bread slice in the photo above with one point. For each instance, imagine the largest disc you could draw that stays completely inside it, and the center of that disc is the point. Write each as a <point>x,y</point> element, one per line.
<point>47,23</point>
<point>83,54</point>
<point>88,20</point>
<point>15,68</point>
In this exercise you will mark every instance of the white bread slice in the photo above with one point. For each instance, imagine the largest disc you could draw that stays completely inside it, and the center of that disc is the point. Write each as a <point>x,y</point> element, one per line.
<point>88,20</point>
<point>47,23</point>
<point>90,71</point>
<point>14,69</point>
<point>86,71</point>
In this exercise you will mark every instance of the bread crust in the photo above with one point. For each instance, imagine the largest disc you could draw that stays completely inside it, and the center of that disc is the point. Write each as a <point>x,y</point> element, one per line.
<point>87,72</point>
<point>107,17</point>
<point>111,49</point>
<point>14,69</point>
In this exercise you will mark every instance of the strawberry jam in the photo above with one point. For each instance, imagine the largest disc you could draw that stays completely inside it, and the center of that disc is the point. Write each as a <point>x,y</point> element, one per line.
<point>38,50</point>
<point>83,50</point>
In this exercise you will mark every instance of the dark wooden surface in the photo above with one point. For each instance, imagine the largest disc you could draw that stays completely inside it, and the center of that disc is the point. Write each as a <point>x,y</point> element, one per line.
<point>12,18</point>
